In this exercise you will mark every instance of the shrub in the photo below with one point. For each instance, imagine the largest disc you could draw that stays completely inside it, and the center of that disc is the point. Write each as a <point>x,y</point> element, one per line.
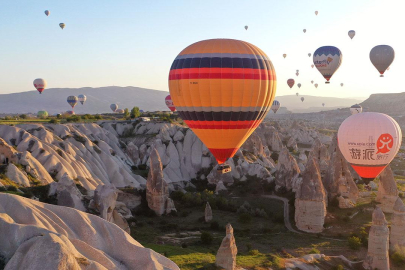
<point>254,252</point>
<point>314,251</point>
<point>398,257</point>
<point>354,242</point>
<point>54,121</point>
<point>339,267</point>
<point>12,188</point>
<point>206,238</point>
<point>249,247</point>
<point>177,195</point>
<point>184,245</point>
<point>245,218</point>
<point>214,225</point>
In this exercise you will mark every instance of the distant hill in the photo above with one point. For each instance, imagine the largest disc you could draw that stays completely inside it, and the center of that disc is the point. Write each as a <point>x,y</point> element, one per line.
<point>98,100</point>
<point>313,103</point>
<point>392,104</point>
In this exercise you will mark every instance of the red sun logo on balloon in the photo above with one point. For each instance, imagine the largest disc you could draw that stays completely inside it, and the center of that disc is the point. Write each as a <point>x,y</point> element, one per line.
<point>385,143</point>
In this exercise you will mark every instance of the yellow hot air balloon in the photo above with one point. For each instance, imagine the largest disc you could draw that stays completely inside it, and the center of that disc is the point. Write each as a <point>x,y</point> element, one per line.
<point>222,88</point>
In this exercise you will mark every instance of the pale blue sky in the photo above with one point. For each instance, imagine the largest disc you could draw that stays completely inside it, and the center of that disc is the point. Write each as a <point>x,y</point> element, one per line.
<point>133,43</point>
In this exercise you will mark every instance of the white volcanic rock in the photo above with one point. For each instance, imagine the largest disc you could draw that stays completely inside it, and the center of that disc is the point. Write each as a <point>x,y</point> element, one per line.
<point>42,236</point>
<point>378,244</point>
<point>133,153</point>
<point>170,206</point>
<point>157,191</point>
<point>287,171</point>
<point>67,193</point>
<point>17,176</point>
<point>220,187</point>
<point>320,153</point>
<point>215,176</point>
<point>387,191</point>
<point>226,255</point>
<point>397,236</point>
<point>273,139</point>
<point>310,200</point>
<point>131,201</point>
<point>208,213</point>
<point>292,143</point>
<point>178,136</point>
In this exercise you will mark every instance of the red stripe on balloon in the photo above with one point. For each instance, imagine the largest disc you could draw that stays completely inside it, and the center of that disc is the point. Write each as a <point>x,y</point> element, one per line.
<point>223,124</point>
<point>368,171</point>
<point>222,155</point>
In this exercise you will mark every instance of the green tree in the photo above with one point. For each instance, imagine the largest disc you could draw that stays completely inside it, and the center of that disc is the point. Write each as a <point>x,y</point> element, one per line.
<point>135,112</point>
<point>23,116</point>
<point>126,113</point>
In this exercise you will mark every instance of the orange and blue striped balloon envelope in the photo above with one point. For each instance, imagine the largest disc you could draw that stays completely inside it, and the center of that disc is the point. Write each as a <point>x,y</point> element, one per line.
<point>222,88</point>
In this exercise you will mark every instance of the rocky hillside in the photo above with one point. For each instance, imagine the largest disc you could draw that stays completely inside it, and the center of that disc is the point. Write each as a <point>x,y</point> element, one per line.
<point>392,104</point>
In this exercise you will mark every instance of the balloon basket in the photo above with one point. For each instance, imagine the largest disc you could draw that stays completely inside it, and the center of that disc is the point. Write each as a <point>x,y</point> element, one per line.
<point>381,75</point>
<point>224,168</point>
<point>327,82</point>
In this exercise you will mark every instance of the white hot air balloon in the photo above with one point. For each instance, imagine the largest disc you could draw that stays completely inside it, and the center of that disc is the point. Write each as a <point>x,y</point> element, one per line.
<point>327,60</point>
<point>369,142</point>
<point>299,85</point>
<point>351,34</point>
<point>356,108</point>
<point>275,106</point>
<point>316,85</point>
<point>246,27</point>
<point>82,99</point>
<point>297,94</point>
<point>40,84</point>
<point>382,57</point>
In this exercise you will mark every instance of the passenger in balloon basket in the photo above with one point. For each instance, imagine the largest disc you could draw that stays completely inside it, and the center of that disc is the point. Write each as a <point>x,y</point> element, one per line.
<point>224,168</point>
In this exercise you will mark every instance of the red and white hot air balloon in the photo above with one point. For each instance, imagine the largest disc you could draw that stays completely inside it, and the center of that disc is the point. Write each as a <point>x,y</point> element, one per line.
<point>369,142</point>
<point>290,83</point>
<point>169,103</point>
<point>40,84</point>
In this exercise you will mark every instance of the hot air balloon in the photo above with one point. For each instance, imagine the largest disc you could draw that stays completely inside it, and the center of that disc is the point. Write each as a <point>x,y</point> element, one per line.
<point>323,104</point>
<point>284,55</point>
<point>290,83</point>
<point>351,34</point>
<point>309,55</point>
<point>169,103</point>
<point>312,82</point>
<point>316,12</point>
<point>382,57</point>
<point>297,73</point>
<point>62,25</point>
<point>356,108</point>
<point>40,84</point>
<point>297,94</point>
<point>305,30</point>
<point>42,114</point>
<point>223,94</point>
<point>327,60</point>
<point>316,85</point>
<point>302,99</point>
<point>82,99</point>
<point>69,112</point>
<point>72,100</point>
<point>341,84</point>
<point>312,66</point>
<point>114,107</point>
<point>299,85</point>
<point>246,27</point>
<point>369,142</point>
<point>120,111</point>
<point>47,12</point>
<point>275,106</point>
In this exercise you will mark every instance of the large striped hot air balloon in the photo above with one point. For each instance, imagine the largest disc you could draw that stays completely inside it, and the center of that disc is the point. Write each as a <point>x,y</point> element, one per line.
<point>275,106</point>
<point>369,142</point>
<point>290,83</point>
<point>40,84</point>
<point>82,99</point>
<point>222,89</point>
<point>327,60</point>
<point>356,108</point>
<point>169,103</point>
<point>114,107</point>
<point>72,100</point>
<point>382,57</point>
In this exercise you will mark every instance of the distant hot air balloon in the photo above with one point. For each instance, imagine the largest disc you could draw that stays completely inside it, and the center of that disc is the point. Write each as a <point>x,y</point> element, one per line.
<point>312,82</point>
<point>297,73</point>
<point>290,83</point>
<point>382,57</point>
<point>275,106</point>
<point>47,12</point>
<point>356,108</point>
<point>312,66</point>
<point>309,55</point>
<point>246,27</point>
<point>388,68</point>
<point>169,103</point>
<point>351,34</point>
<point>284,55</point>
<point>297,94</point>
<point>205,93</point>
<point>327,60</point>
<point>316,12</point>
<point>369,142</point>
<point>82,99</point>
<point>299,85</point>
<point>305,30</point>
<point>69,113</point>
<point>42,114</point>
<point>72,100</point>
<point>323,104</point>
<point>40,84</point>
<point>341,84</point>
<point>114,107</point>
<point>62,25</point>
<point>316,85</point>
<point>120,111</point>
<point>302,99</point>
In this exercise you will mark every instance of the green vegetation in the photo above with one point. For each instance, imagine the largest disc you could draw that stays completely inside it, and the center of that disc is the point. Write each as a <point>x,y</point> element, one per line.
<point>135,112</point>
<point>354,242</point>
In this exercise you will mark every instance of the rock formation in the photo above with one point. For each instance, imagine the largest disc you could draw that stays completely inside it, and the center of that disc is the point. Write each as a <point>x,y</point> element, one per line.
<point>378,245</point>
<point>310,200</point>
<point>17,176</point>
<point>157,191</point>
<point>338,180</point>
<point>220,187</point>
<point>35,235</point>
<point>208,213</point>
<point>387,191</point>
<point>67,194</point>
<point>287,174</point>
<point>319,152</point>
<point>397,236</point>
<point>170,206</point>
<point>226,255</point>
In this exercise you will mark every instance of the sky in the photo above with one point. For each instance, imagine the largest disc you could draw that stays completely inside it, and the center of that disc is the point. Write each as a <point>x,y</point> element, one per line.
<point>133,43</point>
